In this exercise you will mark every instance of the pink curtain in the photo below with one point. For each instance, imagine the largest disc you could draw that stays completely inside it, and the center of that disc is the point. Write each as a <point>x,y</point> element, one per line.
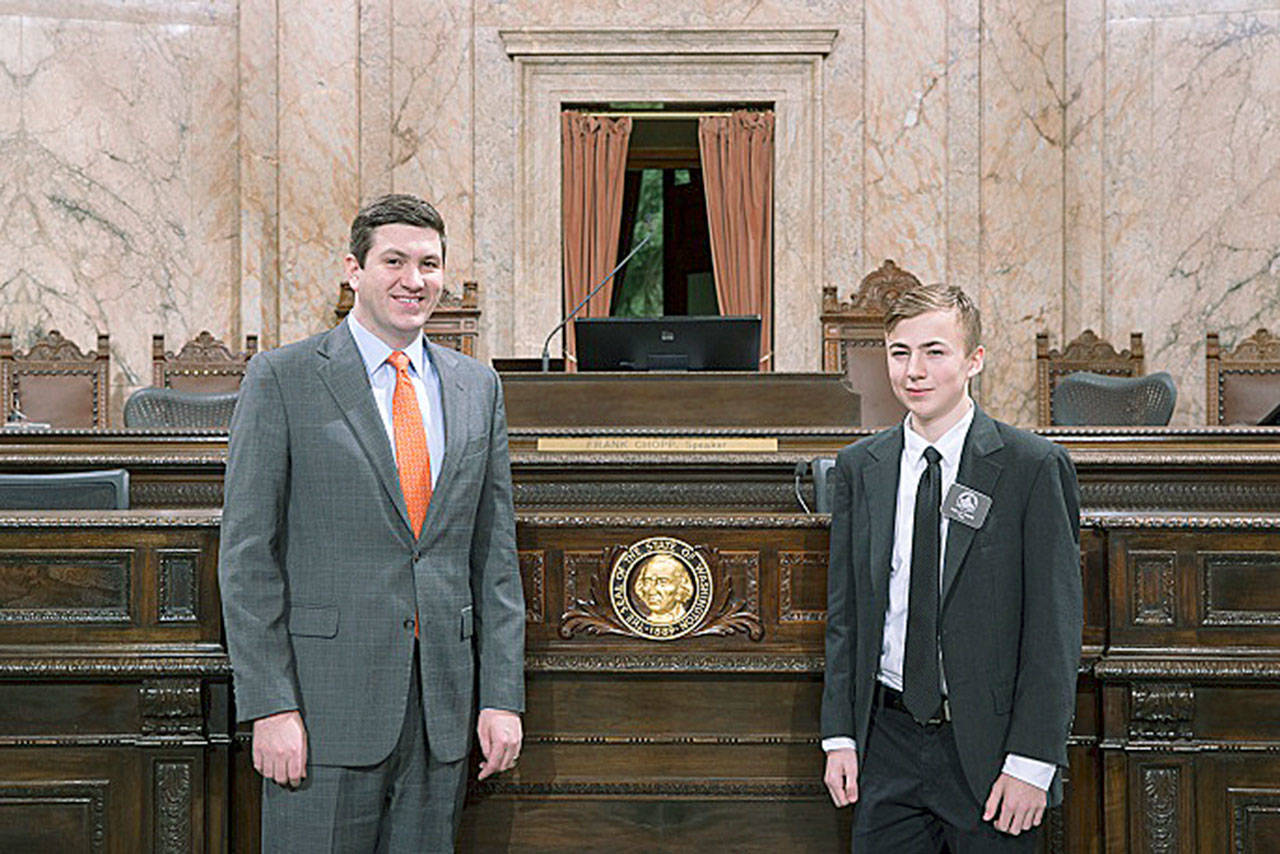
<point>737,170</point>
<point>594,170</point>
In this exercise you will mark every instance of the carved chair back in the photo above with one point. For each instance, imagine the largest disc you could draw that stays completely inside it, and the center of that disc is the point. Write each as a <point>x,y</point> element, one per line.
<point>55,383</point>
<point>853,340</point>
<point>1244,383</point>
<point>1087,352</point>
<point>204,364</point>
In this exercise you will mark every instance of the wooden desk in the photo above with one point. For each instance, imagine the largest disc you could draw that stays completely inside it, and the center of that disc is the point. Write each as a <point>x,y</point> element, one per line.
<point>113,671</point>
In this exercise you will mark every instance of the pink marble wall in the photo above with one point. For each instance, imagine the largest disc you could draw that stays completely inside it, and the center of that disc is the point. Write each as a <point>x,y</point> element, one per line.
<point>170,167</point>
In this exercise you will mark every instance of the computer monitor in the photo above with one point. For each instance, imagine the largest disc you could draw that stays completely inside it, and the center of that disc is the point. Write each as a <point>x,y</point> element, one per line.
<point>668,343</point>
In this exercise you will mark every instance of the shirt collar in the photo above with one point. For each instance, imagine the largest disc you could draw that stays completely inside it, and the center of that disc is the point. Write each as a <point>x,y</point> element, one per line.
<point>949,445</point>
<point>374,351</point>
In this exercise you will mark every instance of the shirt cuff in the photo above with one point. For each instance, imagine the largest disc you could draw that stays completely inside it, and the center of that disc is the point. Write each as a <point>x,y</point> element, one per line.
<point>1028,770</point>
<point>838,742</point>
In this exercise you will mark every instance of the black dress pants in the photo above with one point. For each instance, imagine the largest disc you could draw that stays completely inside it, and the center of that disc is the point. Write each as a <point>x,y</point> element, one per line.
<point>913,796</point>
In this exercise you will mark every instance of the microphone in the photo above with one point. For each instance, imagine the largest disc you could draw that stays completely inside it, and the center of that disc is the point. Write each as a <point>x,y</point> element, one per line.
<point>802,468</point>
<point>546,345</point>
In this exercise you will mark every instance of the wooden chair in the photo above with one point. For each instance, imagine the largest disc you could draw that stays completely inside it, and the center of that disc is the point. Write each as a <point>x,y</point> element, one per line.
<point>55,383</point>
<point>853,340</point>
<point>455,323</point>
<point>1244,383</point>
<point>204,364</point>
<point>1088,352</point>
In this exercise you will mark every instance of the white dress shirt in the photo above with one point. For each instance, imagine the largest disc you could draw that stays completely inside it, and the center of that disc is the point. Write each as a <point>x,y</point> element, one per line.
<point>893,650</point>
<point>426,384</point>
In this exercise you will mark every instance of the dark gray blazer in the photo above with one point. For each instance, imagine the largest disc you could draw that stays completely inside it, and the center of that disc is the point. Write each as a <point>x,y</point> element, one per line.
<point>1012,609</point>
<point>321,576</point>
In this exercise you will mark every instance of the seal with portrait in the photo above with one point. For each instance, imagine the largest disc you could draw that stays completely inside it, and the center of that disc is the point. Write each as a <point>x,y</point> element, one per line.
<point>661,588</point>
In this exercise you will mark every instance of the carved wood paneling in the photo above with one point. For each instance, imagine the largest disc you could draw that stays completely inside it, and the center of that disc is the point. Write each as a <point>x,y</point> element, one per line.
<point>53,816</point>
<point>773,496</point>
<point>1161,710</point>
<point>734,608</point>
<point>533,576</point>
<point>178,586</point>
<point>66,586</point>
<point>1252,809</point>
<point>1240,588</point>
<point>736,605</point>
<point>792,567</point>
<point>172,797</point>
<point>1160,798</point>
<point>1151,575</point>
<point>171,707</point>
<point>165,493</point>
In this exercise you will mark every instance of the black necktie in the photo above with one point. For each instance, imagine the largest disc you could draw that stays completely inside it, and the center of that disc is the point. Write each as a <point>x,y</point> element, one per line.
<point>921,683</point>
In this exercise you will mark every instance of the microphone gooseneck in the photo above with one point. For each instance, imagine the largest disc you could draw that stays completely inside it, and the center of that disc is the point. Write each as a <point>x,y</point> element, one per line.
<point>546,345</point>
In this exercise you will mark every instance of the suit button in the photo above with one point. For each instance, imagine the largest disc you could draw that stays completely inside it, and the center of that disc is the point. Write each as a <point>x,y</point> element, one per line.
<point>408,624</point>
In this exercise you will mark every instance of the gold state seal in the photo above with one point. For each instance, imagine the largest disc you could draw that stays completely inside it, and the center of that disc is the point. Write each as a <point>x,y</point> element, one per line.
<point>661,588</point>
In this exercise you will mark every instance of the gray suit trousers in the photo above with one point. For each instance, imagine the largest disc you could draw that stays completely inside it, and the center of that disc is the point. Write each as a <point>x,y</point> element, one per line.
<point>406,804</point>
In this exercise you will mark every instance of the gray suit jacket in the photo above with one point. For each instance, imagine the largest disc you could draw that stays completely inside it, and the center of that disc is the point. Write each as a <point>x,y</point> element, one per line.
<point>321,576</point>
<point>1012,608</point>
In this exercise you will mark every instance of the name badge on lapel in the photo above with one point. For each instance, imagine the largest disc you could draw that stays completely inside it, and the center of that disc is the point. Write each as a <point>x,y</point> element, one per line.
<point>966,505</point>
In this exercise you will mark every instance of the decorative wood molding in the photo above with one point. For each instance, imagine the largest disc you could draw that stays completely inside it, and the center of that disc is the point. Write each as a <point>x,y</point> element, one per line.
<point>1247,805</point>
<point>672,738</point>
<point>172,796</point>
<point>79,586</point>
<point>1160,796</point>
<point>633,662</point>
<point>70,663</point>
<point>749,495</point>
<point>791,563</point>
<point>732,613</point>
<point>171,707</point>
<point>1161,710</point>
<point>591,612</point>
<point>648,521</point>
<point>184,518</point>
<point>178,586</point>
<point>1211,564</point>
<point>55,348</point>
<point>1261,346</point>
<point>89,795</point>
<point>1198,670</point>
<point>1152,589</point>
<point>202,356</point>
<point>170,494</point>
<point>1184,520</point>
<point>533,573</point>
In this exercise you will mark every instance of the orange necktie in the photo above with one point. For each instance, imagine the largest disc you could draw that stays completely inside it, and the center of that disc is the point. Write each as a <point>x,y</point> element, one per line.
<point>412,459</point>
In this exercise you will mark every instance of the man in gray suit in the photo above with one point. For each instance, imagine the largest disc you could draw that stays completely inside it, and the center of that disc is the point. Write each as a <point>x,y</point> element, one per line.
<point>368,566</point>
<point>954,609</point>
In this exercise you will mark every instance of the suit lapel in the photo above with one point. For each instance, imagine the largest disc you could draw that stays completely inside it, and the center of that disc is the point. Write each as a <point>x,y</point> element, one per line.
<point>343,373</point>
<point>880,486</point>
<point>454,399</point>
<point>980,472</point>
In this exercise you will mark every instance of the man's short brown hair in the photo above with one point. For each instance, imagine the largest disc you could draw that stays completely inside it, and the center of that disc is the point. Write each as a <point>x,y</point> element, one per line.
<point>937,297</point>
<point>393,209</point>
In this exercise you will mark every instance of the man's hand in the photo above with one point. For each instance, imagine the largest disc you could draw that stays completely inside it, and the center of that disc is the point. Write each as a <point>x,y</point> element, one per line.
<point>1021,805</point>
<point>500,736</point>
<point>842,776</point>
<point>280,748</point>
